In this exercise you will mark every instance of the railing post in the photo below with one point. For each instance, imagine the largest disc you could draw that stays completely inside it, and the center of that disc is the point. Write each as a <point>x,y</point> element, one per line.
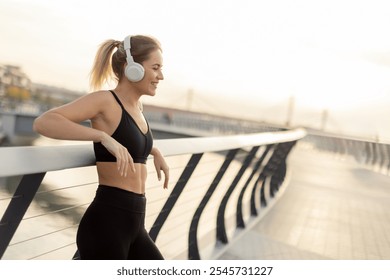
<point>177,190</point>
<point>18,206</point>
<point>278,178</point>
<point>263,201</point>
<point>273,168</point>
<point>239,217</point>
<point>261,178</point>
<point>193,250</point>
<point>221,228</point>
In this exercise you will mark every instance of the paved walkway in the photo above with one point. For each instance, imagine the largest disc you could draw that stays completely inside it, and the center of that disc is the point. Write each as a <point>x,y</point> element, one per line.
<point>332,209</point>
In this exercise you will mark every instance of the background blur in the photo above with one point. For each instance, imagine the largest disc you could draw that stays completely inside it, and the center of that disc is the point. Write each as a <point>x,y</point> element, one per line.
<point>321,64</point>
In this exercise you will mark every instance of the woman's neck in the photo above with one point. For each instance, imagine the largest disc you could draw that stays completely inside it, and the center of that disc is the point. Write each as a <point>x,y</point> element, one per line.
<point>128,94</point>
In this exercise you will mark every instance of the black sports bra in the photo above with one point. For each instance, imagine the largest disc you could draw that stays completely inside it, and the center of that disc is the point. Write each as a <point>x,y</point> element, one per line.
<point>130,136</point>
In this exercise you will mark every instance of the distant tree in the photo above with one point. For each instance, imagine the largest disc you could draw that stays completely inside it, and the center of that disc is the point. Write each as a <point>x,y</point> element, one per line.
<point>18,93</point>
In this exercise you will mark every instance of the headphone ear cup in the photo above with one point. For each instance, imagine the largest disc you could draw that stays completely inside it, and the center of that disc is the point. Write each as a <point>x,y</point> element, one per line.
<point>134,72</point>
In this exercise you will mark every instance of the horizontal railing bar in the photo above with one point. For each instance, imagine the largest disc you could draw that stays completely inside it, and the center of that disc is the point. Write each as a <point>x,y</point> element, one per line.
<point>51,251</point>
<point>66,188</point>
<point>56,211</point>
<point>33,159</point>
<point>43,235</point>
<point>50,191</point>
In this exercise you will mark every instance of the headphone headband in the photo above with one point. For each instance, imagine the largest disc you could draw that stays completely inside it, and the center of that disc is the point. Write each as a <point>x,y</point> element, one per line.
<point>133,71</point>
<point>127,47</point>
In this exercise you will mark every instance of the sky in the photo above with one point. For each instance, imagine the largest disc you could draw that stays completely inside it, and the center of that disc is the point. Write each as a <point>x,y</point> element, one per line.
<point>244,58</point>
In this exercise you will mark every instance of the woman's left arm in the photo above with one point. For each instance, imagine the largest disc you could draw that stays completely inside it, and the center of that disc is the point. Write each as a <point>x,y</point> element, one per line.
<point>160,165</point>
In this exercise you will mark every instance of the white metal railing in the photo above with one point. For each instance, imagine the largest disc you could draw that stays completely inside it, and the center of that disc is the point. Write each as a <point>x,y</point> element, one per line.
<point>373,154</point>
<point>255,164</point>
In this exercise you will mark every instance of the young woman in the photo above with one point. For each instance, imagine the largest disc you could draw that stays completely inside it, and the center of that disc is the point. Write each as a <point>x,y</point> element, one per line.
<point>113,225</point>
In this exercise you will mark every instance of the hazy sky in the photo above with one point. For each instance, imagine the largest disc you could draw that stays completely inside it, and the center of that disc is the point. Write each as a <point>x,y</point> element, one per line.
<point>243,57</point>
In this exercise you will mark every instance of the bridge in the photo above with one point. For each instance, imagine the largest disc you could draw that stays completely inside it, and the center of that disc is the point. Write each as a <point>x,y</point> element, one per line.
<point>278,194</point>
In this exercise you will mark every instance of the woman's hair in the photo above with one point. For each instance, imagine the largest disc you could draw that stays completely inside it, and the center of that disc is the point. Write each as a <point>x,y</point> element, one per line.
<point>106,66</point>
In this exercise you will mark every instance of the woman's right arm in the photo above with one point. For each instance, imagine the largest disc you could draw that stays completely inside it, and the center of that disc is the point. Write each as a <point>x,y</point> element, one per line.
<point>64,123</point>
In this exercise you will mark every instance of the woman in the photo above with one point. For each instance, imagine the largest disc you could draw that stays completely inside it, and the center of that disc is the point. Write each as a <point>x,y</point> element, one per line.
<point>113,225</point>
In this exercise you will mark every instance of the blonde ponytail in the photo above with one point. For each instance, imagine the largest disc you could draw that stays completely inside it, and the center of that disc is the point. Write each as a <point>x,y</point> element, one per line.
<point>101,70</point>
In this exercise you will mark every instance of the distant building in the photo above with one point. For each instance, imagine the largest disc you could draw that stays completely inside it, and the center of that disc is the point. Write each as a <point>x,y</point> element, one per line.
<point>17,90</point>
<point>14,83</point>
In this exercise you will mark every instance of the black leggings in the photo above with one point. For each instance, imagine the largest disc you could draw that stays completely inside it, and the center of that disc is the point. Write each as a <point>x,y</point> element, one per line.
<point>113,228</point>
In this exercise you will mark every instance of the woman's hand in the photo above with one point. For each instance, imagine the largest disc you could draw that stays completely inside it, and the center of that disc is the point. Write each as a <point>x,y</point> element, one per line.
<point>160,165</point>
<point>123,158</point>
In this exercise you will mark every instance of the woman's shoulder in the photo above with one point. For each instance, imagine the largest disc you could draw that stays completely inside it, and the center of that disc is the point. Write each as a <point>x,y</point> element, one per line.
<point>101,94</point>
<point>103,97</point>
<point>103,101</point>
<point>100,100</point>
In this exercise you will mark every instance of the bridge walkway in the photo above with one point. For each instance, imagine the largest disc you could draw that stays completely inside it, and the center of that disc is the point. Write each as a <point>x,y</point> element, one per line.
<point>333,208</point>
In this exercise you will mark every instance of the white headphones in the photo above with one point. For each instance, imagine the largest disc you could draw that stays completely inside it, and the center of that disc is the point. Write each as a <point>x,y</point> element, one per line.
<point>134,71</point>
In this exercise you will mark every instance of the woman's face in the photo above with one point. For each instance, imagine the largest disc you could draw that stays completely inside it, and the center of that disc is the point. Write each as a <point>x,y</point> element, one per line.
<point>153,74</point>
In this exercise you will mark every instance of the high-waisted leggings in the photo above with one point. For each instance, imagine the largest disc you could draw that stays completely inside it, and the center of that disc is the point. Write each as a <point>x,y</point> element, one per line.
<point>113,228</point>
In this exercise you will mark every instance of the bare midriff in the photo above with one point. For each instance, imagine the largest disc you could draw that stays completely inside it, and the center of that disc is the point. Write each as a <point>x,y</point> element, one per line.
<point>134,181</point>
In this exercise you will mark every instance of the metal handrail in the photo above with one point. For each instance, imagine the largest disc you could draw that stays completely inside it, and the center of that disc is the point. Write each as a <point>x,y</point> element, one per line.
<point>31,160</point>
